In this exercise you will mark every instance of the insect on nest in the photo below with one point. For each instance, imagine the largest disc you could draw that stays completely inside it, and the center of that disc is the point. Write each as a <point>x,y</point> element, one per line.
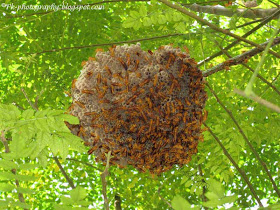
<point>144,107</point>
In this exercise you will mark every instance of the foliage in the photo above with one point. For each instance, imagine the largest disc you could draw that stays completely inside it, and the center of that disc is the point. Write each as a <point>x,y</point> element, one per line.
<point>34,138</point>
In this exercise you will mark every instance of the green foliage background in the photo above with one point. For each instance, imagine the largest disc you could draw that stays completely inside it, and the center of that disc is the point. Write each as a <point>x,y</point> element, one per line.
<point>27,39</point>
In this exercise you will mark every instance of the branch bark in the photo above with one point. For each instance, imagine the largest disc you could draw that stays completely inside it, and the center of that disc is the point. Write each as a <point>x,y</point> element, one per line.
<point>213,26</point>
<point>118,202</point>
<point>245,13</point>
<point>265,21</point>
<point>263,164</point>
<point>104,182</point>
<point>69,180</point>
<point>239,59</point>
<point>242,173</point>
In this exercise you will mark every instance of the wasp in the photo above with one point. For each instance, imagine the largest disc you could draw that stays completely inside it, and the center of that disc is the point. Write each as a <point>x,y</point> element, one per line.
<point>91,59</point>
<point>89,113</point>
<point>123,63</point>
<point>171,88</point>
<point>171,58</point>
<point>89,74</point>
<point>116,84</point>
<point>96,125</point>
<point>128,59</point>
<point>98,78</point>
<point>74,83</point>
<point>108,70</point>
<point>80,104</point>
<point>184,67</point>
<point>150,52</point>
<point>99,50</point>
<point>136,65</point>
<point>104,101</point>
<point>68,94</point>
<point>83,63</point>
<point>155,80</point>
<point>150,127</point>
<point>81,131</point>
<point>150,104</point>
<point>88,91</point>
<point>112,50</point>
<point>118,101</point>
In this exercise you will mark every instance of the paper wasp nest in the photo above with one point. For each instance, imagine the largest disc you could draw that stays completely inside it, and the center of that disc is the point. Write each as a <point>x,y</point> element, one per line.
<point>144,107</point>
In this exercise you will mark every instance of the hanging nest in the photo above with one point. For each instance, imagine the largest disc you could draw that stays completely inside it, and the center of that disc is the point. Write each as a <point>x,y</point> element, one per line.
<point>144,107</point>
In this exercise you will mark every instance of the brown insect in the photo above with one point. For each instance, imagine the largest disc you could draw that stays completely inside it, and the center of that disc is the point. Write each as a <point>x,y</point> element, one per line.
<point>89,113</point>
<point>150,52</point>
<point>98,78</point>
<point>91,59</point>
<point>150,104</point>
<point>171,59</point>
<point>89,74</point>
<point>83,63</point>
<point>99,50</point>
<point>123,63</point>
<point>88,92</point>
<point>136,65</point>
<point>108,70</point>
<point>155,80</point>
<point>128,59</point>
<point>74,83</point>
<point>80,104</point>
<point>112,50</point>
<point>81,132</point>
<point>144,82</point>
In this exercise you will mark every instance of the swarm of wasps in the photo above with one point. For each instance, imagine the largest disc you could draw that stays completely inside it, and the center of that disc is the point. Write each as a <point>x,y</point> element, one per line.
<point>145,107</point>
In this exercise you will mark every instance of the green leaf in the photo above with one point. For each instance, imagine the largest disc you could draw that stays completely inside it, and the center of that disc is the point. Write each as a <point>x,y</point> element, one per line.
<point>4,187</point>
<point>6,175</point>
<point>21,205</point>
<point>25,177</point>
<point>216,187</point>
<point>28,166</point>
<point>78,194</point>
<point>71,119</point>
<point>5,164</point>
<point>25,190</point>
<point>128,23</point>
<point>143,10</point>
<point>28,114</point>
<point>179,203</point>
<point>134,14</point>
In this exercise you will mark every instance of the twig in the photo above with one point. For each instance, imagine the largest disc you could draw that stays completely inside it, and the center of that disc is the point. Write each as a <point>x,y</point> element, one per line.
<point>250,69</point>
<point>238,59</point>
<point>162,198</point>
<point>28,100</point>
<point>242,173</point>
<point>118,202</point>
<point>109,44</point>
<point>259,100</point>
<point>265,21</point>
<point>213,26</point>
<point>219,10</point>
<point>203,197</point>
<point>7,150</point>
<point>69,180</point>
<point>104,182</point>
<point>246,140</point>
<point>88,164</point>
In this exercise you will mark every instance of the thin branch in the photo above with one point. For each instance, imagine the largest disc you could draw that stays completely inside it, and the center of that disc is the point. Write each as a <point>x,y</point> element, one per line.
<point>242,173</point>
<point>104,182</point>
<point>238,59</point>
<point>69,180</point>
<point>250,69</point>
<point>259,100</point>
<point>7,150</point>
<point>265,21</point>
<point>228,12</point>
<point>82,162</point>
<point>109,44</point>
<point>162,198</point>
<point>203,197</point>
<point>213,26</point>
<point>118,202</point>
<point>29,101</point>
<point>246,140</point>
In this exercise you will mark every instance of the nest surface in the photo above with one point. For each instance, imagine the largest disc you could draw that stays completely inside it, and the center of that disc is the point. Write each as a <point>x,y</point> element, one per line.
<point>144,107</point>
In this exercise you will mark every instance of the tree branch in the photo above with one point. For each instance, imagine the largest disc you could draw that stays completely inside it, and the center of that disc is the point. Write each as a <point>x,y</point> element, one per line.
<point>213,26</point>
<point>239,59</point>
<point>7,150</point>
<point>250,69</point>
<point>118,202</point>
<point>104,182</point>
<point>162,198</point>
<point>242,173</point>
<point>228,12</point>
<point>108,44</point>
<point>259,100</point>
<point>265,21</point>
<point>69,180</point>
<point>246,140</point>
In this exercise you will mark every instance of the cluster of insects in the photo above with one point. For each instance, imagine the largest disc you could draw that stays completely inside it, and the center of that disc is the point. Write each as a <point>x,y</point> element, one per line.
<point>145,107</point>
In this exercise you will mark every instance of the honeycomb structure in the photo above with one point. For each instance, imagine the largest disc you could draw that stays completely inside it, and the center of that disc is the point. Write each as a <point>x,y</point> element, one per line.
<point>145,107</point>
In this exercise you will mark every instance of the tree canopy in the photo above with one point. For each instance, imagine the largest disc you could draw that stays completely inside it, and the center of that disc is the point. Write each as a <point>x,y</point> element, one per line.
<point>43,47</point>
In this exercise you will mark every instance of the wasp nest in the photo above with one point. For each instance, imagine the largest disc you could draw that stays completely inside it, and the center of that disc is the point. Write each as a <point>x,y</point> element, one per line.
<point>144,107</point>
